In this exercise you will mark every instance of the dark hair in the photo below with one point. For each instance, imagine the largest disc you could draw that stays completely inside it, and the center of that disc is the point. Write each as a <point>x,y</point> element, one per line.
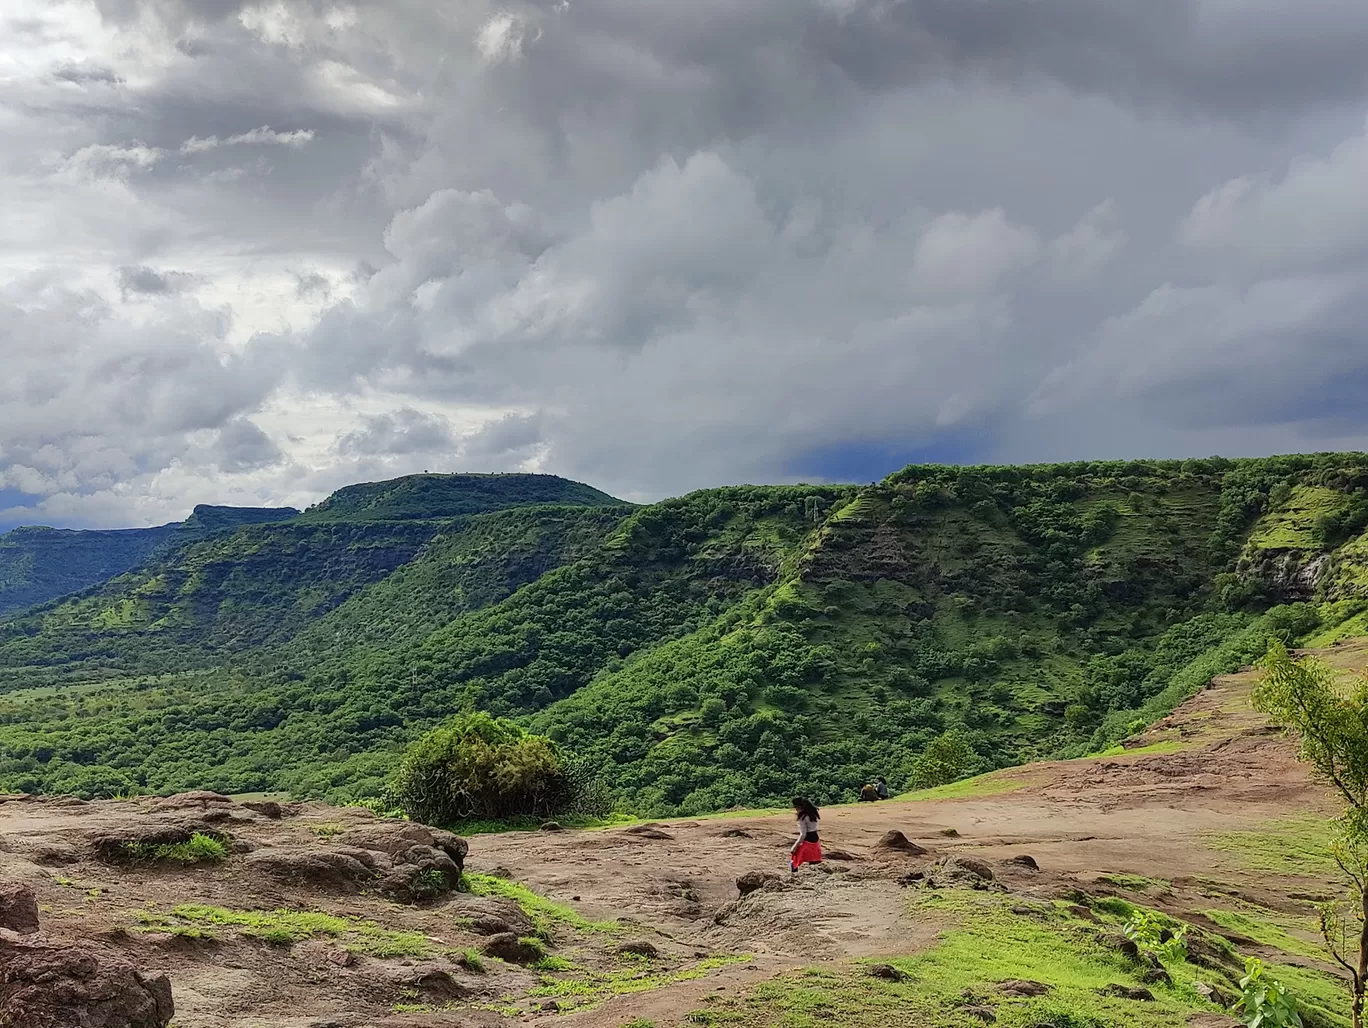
<point>805,808</point>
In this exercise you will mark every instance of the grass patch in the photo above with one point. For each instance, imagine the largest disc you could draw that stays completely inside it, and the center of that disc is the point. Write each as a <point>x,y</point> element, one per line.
<point>198,849</point>
<point>995,783</point>
<point>983,944</point>
<point>585,987</point>
<point>545,914</point>
<point>1269,931</point>
<point>1293,846</point>
<point>1323,996</point>
<point>286,927</point>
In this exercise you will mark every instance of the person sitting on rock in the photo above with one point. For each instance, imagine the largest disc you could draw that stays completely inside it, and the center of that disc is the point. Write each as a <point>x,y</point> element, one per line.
<point>868,794</point>
<point>808,848</point>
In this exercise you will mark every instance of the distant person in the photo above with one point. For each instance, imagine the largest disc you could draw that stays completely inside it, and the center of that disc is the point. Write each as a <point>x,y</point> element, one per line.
<point>868,794</point>
<point>808,848</point>
<point>881,789</point>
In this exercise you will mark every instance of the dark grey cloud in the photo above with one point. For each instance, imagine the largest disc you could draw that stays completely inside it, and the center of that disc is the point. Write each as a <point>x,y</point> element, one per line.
<point>252,250</point>
<point>403,432</point>
<point>150,281</point>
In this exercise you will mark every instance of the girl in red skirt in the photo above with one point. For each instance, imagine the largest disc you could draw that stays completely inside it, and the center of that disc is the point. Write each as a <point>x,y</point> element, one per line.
<point>808,848</point>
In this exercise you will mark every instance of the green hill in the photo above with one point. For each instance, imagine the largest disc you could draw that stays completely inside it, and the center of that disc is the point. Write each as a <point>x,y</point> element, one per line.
<point>212,591</point>
<point>40,564</point>
<point>450,496</point>
<point>724,648</point>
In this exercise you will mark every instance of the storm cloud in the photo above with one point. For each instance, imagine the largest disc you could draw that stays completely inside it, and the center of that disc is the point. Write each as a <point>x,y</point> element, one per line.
<point>250,251</point>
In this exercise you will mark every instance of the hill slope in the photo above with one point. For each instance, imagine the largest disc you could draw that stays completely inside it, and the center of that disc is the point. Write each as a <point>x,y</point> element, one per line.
<point>727,647</point>
<point>40,564</point>
<point>212,590</point>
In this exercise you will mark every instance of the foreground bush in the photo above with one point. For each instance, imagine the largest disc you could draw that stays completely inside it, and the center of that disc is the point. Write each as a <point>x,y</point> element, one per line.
<point>478,767</point>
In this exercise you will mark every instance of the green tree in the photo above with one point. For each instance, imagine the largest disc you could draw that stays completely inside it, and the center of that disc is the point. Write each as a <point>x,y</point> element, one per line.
<point>482,768</point>
<point>947,758</point>
<point>1331,726</point>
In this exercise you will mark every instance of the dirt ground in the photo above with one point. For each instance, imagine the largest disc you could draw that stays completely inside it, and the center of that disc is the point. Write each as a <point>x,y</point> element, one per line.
<point>1211,769</point>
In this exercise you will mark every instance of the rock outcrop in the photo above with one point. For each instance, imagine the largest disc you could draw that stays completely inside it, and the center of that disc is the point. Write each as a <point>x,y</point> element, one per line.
<point>47,985</point>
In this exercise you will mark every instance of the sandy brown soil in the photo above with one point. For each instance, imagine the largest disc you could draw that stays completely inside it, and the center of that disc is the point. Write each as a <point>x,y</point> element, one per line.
<point>1149,813</point>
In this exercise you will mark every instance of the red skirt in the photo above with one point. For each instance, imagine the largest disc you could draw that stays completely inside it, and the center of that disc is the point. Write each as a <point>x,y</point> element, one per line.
<point>806,853</point>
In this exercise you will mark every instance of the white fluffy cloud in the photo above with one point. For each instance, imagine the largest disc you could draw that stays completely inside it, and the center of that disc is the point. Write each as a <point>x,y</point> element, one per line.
<point>250,251</point>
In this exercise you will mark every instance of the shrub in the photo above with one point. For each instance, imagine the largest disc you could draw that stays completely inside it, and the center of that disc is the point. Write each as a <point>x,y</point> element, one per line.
<point>1263,1002</point>
<point>478,767</point>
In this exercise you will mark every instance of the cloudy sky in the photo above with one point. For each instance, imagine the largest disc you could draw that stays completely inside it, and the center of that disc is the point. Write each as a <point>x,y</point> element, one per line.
<point>253,251</point>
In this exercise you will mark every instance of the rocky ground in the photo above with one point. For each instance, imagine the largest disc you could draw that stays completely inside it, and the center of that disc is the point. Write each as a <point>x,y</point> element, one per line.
<point>317,917</point>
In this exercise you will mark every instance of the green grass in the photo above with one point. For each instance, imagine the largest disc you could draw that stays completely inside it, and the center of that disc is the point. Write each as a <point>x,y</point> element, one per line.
<point>585,987</point>
<point>545,914</point>
<point>995,783</point>
<point>1298,846</point>
<point>1269,929</point>
<point>286,927</point>
<point>198,849</point>
<point>1316,991</point>
<point>982,945</point>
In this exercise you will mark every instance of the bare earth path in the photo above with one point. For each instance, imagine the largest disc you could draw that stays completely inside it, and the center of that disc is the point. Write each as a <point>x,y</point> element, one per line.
<point>1211,770</point>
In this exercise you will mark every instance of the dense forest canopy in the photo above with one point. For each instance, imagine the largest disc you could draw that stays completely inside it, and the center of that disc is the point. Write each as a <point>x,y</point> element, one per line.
<point>724,648</point>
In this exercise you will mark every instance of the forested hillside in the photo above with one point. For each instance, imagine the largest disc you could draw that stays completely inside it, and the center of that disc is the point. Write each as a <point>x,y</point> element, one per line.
<point>40,564</point>
<point>724,648</point>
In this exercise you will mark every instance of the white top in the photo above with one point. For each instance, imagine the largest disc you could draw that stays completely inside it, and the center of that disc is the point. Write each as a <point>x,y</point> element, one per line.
<point>806,826</point>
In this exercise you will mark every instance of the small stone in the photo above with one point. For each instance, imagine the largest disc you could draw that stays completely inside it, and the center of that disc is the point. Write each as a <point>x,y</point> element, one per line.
<point>736,833</point>
<point>341,957</point>
<point>1127,992</point>
<point>639,948</point>
<point>894,841</point>
<point>1025,861</point>
<point>1022,987</point>
<point>887,972</point>
<point>551,826</point>
<point>1082,912</point>
<point>511,948</point>
<point>982,1013</point>
<point>949,833</point>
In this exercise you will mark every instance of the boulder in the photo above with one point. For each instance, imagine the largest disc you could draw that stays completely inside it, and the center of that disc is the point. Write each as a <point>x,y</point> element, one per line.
<point>49,986</point>
<point>1022,987</point>
<point>1127,992</point>
<point>267,809</point>
<point>344,869</point>
<point>647,832</point>
<point>887,972</point>
<point>755,881</point>
<point>395,838</point>
<point>639,948</point>
<point>1025,861</point>
<point>509,947</point>
<point>122,847</point>
<point>18,908</point>
<point>490,924</point>
<point>979,1012</point>
<point>895,842</point>
<point>421,872</point>
<point>551,826</point>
